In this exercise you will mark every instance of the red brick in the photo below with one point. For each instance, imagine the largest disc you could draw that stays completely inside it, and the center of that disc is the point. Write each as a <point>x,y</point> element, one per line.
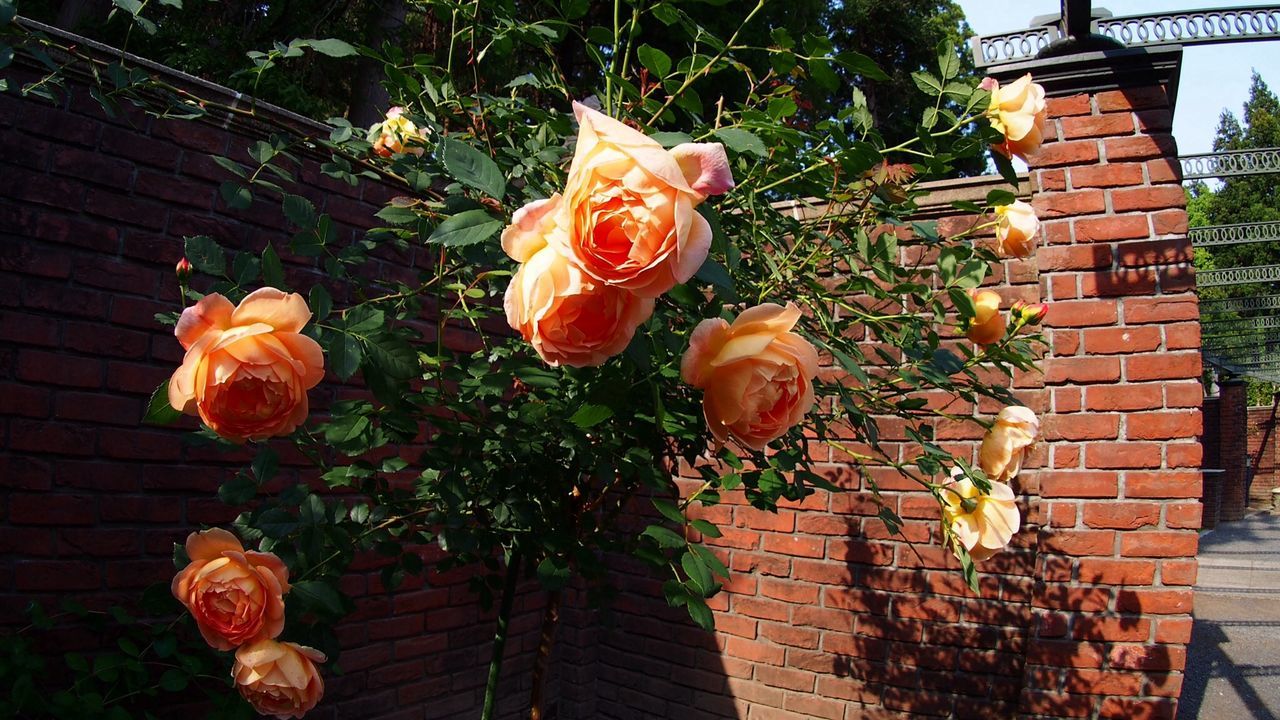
<point>1096,682</point>
<point>1065,654</point>
<point>1112,227</point>
<point>1125,709</point>
<point>1178,572</point>
<point>1170,222</point>
<point>1082,370</point>
<point>1106,176</point>
<point>786,678</point>
<point>1117,572</point>
<point>1164,170</point>
<point>1155,252</point>
<point>1160,310</point>
<point>1097,126</point>
<point>1167,425</point>
<point>1163,366</point>
<point>1167,484</point>
<point>1071,105</point>
<point>1106,398</point>
<point>1154,602</point>
<point>795,545</point>
<point>1066,204</point>
<point>1140,98</point>
<point>1112,629</point>
<point>1079,485</point>
<point>1159,197</point>
<point>1081,313</point>
<point>1056,154</point>
<point>51,509</point>
<point>1147,657</point>
<point>1121,515</point>
<point>1121,340</point>
<point>1140,147</point>
<point>1122,455</point>
<point>1126,281</point>
<point>1073,257</point>
<point>1081,427</point>
<point>1079,542</point>
<point>1158,544</point>
<point>1183,516</point>
<point>1052,180</point>
<point>59,369</point>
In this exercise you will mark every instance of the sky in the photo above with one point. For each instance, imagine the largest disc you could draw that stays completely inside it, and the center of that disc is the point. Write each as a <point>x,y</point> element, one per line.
<point>1214,77</point>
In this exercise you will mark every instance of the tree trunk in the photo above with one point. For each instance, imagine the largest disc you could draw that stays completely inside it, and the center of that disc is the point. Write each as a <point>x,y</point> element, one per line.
<point>369,99</point>
<point>550,617</point>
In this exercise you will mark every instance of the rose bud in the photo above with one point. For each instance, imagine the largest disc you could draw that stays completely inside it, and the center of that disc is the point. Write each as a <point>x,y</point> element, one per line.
<point>1029,313</point>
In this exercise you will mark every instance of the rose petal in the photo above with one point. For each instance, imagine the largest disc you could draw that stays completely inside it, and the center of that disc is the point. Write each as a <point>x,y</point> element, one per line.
<point>286,312</point>
<point>211,312</point>
<point>705,167</point>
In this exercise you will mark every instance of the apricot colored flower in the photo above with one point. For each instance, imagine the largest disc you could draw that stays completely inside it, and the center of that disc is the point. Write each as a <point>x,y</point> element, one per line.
<point>247,369</point>
<point>1016,228</point>
<point>1000,455</point>
<point>397,134</point>
<point>1029,313</point>
<point>981,523</point>
<point>279,679</point>
<point>987,325</point>
<point>756,375</point>
<point>568,317</point>
<point>626,217</point>
<point>1018,112</point>
<point>236,596</point>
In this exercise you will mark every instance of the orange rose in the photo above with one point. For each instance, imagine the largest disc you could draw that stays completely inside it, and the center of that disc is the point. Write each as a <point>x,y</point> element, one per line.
<point>235,596</point>
<point>626,216</point>
<point>1018,112</point>
<point>981,523</point>
<point>279,679</point>
<point>1000,455</point>
<point>247,370</point>
<point>1016,227</point>
<point>987,325</point>
<point>569,318</point>
<point>756,375</point>
<point>397,134</point>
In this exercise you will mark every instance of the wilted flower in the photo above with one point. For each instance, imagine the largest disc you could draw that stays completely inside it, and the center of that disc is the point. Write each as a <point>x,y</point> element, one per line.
<point>1000,455</point>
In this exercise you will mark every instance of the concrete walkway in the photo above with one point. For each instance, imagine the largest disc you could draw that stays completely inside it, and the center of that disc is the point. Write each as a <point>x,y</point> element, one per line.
<point>1233,663</point>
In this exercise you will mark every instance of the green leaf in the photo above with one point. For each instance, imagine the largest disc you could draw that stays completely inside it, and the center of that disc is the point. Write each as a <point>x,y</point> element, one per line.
<point>698,572</point>
<point>272,269</point>
<point>1005,168</point>
<point>299,210</point>
<point>740,140</point>
<point>665,537</point>
<point>553,573</point>
<point>205,254</point>
<point>159,411</point>
<point>862,65</point>
<point>658,62</point>
<point>1000,197</point>
<point>671,139</point>
<point>465,228</point>
<point>172,3</point>
<point>962,302</point>
<point>710,559</point>
<point>706,528</point>
<point>318,595</point>
<point>235,195</point>
<point>332,47</point>
<point>173,680</point>
<point>346,428</point>
<point>133,7</point>
<point>669,510</point>
<point>927,83</point>
<point>700,613</point>
<point>238,490</point>
<point>472,167</point>
<point>344,353</point>
<point>320,301</point>
<point>948,60</point>
<point>397,215</point>
<point>589,415</point>
<point>717,276</point>
<point>266,464</point>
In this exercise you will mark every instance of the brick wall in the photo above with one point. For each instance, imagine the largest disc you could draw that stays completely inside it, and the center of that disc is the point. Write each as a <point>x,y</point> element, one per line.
<point>1262,448</point>
<point>826,616</point>
<point>92,215</point>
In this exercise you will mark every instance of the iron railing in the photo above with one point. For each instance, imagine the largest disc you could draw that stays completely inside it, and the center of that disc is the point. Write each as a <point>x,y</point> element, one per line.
<point>1262,161</point>
<point>1239,304</point>
<point>1195,27</point>
<point>1236,234</point>
<point>1238,276</point>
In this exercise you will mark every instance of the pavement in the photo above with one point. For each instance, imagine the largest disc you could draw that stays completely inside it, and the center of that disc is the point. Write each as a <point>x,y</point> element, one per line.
<point>1233,662</point>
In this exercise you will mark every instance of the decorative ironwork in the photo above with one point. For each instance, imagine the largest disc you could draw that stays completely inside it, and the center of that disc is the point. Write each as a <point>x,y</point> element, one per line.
<point>1238,276</point>
<point>1220,343</point>
<point>1199,27</point>
<point>1239,233</point>
<point>1254,322</point>
<point>1262,161</point>
<point>1239,304</point>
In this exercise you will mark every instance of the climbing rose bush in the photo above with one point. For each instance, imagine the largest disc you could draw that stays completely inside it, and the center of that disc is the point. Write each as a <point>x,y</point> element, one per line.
<point>601,322</point>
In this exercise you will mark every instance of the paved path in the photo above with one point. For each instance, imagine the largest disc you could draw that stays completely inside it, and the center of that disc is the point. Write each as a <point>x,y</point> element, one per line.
<point>1233,663</point>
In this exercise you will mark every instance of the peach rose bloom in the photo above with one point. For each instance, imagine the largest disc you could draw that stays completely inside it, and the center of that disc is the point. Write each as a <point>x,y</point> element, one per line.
<point>1000,455</point>
<point>1018,112</point>
<point>236,596</point>
<point>981,523</point>
<point>279,679</point>
<point>756,375</point>
<point>987,325</point>
<point>397,134</point>
<point>1016,228</point>
<point>626,216</point>
<point>247,369</point>
<point>569,318</point>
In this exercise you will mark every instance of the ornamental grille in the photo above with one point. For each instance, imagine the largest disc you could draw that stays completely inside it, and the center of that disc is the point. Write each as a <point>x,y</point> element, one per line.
<point>1239,233</point>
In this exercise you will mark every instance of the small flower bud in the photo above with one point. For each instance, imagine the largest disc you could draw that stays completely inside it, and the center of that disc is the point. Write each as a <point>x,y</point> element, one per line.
<point>1030,313</point>
<point>183,270</point>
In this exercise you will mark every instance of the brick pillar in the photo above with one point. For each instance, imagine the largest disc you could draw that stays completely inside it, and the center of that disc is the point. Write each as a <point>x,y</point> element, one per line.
<point>1118,496</point>
<point>1233,414</point>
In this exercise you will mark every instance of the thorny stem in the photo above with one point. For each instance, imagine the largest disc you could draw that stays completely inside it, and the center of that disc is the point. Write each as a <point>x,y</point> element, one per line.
<point>550,617</point>
<point>500,635</point>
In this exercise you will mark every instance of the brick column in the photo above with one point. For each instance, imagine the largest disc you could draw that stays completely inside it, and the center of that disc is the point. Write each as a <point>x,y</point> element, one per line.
<point>1233,434</point>
<point>1118,496</point>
